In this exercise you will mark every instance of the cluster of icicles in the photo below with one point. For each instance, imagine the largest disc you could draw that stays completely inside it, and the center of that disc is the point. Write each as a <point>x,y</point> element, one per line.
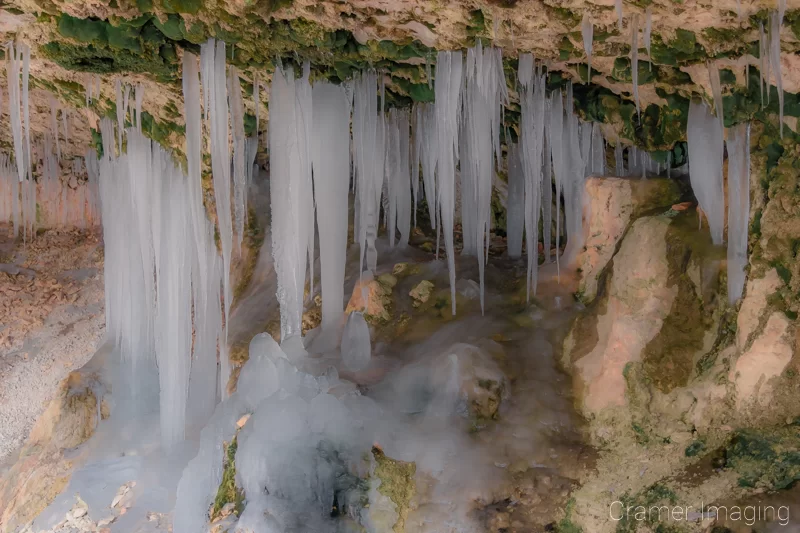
<point>28,203</point>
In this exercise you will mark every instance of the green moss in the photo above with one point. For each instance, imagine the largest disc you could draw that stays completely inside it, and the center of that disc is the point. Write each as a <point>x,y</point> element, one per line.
<point>653,496</point>
<point>397,483</point>
<point>766,458</point>
<point>191,7</point>
<point>228,492</point>
<point>695,448</point>
<point>683,49</point>
<point>566,525</point>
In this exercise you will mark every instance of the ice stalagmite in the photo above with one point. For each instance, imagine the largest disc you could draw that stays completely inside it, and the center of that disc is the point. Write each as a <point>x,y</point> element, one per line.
<point>635,59</point>
<point>330,155</point>
<point>239,155</point>
<point>290,193</point>
<point>587,32</point>
<point>738,207</point>
<point>212,59</point>
<point>515,217</point>
<point>448,92</point>
<point>647,35</point>
<point>704,135</point>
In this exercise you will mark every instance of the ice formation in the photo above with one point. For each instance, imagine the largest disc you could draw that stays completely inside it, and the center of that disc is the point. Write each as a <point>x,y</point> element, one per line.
<point>716,91</point>
<point>215,98</point>
<point>484,93</point>
<point>774,55</point>
<point>738,144</point>
<point>368,163</point>
<point>618,8</point>
<point>398,178</point>
<point>448,97</point>
<point>291,192</point>
<point>356,346</point>
<point>704,134</point>
<point>330,157</point>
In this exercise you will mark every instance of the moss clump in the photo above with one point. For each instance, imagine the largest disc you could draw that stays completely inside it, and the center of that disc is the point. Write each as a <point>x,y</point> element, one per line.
<point>397,483</point>
<point>683,49</point>
<point>656,495</point>
<point>228,492</point>
<point>766,458</point>
<point>566,525</point>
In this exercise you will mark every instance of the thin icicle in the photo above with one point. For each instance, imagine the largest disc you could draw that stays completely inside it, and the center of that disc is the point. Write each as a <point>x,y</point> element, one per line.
<point>120,113</point>
<point>618,7</point>
<point>54,124</point>
<point>26,62</point>
<point>716,91</point>
<point>448,97</point>
<point>763,55</point>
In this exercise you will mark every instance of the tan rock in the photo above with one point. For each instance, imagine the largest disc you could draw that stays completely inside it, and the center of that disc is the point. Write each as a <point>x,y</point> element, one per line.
<point>611,205</point>
<point>753,305</point>
<point>766,358</point>
<point>421,292</point>
<point>638,301</point>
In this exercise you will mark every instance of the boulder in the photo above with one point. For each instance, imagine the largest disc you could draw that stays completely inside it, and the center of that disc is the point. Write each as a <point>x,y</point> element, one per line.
<point>639,298</point>
<point>373,297</point>
<point>611,204</point>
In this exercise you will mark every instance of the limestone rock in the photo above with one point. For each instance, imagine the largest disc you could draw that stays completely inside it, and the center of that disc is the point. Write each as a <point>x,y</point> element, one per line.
<point>639,299</point>
<point>42,471</point>
<point>754,304</point>
<point>421,292</point>
<point>766,358</point>
<point>611,205</point>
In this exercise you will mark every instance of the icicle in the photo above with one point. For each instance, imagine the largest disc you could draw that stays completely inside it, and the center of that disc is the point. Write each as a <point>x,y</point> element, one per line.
<point>26,61</point>
<point>12,75</point>
<point>330,153</point>
<point>65,123</point>
<point>139,97</point>
<point>428,153</point>
<point>618,7</point>
<point>775,20</point>
<point>704,135</point>
<point>587,31</point>
<point>738,207</point>
<point>557,149</point>
<point>415,147</point>
<point>397,177</point>
<point>619,163</point>
<point>290,193</point>
<point>368,154</point>
<point>448,97</point>
<point>256,101</point>
<point>739,9</point>
<point>648,29</point>
<point>635,59</point>
<point>598,157</point>
<point>547,189</point>
<point>54,124</point>
<point>239,148</point>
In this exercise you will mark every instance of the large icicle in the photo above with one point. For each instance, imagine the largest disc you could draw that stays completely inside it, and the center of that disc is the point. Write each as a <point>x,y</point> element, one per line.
<point>212,57</point>
<point>330,156</point>
<point>704,136</point>
<point>368,154</point>
<point>557,151</point>
<point>397,177</point>
<point>290,193</point>
<point>738,207</point>
<point>13,77</point>
<point>587,32</point>
<point>26,62</point>
<point>448,97</point>
<point>426,124</point>
<point>484,94</point>
<point>532,131</point>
